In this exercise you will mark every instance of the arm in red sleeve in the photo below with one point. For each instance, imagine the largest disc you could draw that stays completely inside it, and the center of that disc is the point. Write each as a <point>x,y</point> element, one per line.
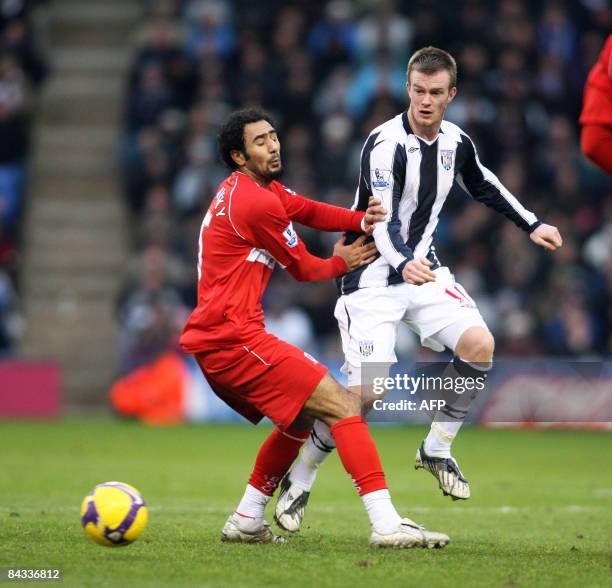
<point>311,268</point>
<point>273,231</point>
<point>319,215</point>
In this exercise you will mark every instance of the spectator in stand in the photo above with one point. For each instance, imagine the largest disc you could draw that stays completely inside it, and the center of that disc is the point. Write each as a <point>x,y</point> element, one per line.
<point>22,67</point>
<point>15,142</point>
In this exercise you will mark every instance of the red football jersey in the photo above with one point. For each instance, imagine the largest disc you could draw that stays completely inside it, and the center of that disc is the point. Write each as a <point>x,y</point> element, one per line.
<point>246,231</point>
<point>597,104</point>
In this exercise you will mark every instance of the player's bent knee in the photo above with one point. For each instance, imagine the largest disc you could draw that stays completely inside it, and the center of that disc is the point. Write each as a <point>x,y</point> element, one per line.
<point>476,344</point>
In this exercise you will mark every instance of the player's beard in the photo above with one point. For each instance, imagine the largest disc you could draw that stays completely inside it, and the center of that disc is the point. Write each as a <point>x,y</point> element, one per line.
<point>273,175</point>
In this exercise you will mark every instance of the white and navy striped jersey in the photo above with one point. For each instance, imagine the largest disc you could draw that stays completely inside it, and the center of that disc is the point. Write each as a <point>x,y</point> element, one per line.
<point>413,177</point>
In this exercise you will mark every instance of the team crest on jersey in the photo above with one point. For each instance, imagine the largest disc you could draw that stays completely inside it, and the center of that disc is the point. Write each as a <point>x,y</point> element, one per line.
<point>290,236</point>
<point>446,157</point>
<point>380,179</point>
<point>366,347</point>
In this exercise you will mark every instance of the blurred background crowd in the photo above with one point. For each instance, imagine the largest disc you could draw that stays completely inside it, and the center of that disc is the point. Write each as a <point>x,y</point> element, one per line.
<point>329,72</point>
<point>23,69</point>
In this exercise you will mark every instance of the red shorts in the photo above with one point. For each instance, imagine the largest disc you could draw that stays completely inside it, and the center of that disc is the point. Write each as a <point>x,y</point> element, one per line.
<point>267,377</point>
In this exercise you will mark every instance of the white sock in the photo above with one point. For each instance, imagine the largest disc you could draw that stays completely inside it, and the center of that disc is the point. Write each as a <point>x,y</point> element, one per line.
<point>317,448</point>
<point>440,438</point>
<point>445,427</point>
<point>251,509</point>
<point>383,516</point>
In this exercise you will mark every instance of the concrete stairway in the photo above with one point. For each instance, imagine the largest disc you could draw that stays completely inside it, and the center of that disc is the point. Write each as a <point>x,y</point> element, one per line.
<point>75,244</point>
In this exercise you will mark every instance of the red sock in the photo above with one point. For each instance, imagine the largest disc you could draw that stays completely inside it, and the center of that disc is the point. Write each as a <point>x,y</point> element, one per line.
<point>359,455</point>
<point>275,458</point>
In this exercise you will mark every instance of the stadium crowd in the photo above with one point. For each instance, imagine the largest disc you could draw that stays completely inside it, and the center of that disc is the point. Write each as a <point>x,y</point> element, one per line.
<point>329,72</point>
<point>23,69</point>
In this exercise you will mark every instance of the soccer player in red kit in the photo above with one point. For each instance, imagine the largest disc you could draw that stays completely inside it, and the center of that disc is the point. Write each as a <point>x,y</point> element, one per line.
<point>247,231</point>
<point>596,116</point>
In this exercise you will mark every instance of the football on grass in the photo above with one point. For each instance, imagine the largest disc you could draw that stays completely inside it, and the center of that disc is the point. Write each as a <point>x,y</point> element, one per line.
<point>114,514</point>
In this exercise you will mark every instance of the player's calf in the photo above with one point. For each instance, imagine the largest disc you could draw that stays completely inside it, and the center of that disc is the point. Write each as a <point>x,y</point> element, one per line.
<point>340,410</point>
<point>296,485</point>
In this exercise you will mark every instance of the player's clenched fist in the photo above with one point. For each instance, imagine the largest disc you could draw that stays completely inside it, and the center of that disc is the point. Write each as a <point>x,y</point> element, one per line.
<point>547,236</point>
<point>356,254</point>
<point>417,272</point>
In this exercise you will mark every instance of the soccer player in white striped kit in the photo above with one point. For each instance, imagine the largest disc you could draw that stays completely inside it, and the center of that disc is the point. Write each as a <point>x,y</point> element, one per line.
<point>410,163</point>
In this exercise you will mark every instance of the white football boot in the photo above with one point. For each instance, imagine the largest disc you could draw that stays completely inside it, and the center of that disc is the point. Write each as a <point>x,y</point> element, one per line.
<point>290,507</point>
<point>408,535</point>
<point>446,471</point>
<point>234,532</point>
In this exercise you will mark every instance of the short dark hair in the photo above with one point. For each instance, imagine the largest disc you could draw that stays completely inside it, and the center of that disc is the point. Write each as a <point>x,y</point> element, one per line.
<point>430,60</point>
<point>231,135</point>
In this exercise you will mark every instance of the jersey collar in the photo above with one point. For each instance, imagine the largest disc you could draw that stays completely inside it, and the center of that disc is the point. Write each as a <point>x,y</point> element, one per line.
<point>409,130</point>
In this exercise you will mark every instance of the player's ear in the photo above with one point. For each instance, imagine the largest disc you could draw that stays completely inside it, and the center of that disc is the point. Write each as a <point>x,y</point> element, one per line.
<point>452,93</point>
<point>238,157</point>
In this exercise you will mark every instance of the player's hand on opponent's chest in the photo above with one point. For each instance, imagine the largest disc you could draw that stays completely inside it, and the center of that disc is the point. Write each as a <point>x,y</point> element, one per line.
<point>356,254</point>
<point>547,236</point>
<point>417,272</point>
<point>374,214</point>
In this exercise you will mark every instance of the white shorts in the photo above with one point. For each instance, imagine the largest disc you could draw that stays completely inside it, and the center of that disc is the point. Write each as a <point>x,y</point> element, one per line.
<point>438,312</point>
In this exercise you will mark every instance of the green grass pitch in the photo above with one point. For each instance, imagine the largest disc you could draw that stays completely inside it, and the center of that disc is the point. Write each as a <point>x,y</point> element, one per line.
<point>540,512</point>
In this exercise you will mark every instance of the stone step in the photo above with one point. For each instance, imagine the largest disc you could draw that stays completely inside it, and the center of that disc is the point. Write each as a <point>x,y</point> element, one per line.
<point>80,111</point>
<point>70,201</point>
<point>98,343</point>
<point>75,223</point>
<point>90,349</point>
<point>71,138</point>
<point>51,284</point>
<point>68,308</point>
<point>48,222</point>
<point>90,235</point>
<point>74,258</point>
<point>81,162</point>
<point>72,306</point>
<point>91,85</point>
<point>68,36</point>
<point>76,262</point>
<point>85,60</point>
<point>106,13</point>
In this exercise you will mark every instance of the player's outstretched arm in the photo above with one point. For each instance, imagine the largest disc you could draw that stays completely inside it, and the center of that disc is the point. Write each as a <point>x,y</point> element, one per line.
<point>547,236</point>
<point>484,186</point>
<point>327,217</point>
<point>267,226</point>
<point>310,268</point>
